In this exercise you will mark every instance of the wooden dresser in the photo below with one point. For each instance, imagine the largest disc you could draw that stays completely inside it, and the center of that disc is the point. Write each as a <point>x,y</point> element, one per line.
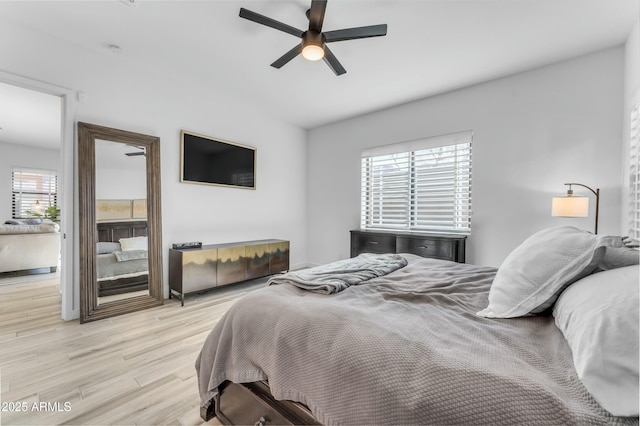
<point>438,246</point>
<point>198,269</point>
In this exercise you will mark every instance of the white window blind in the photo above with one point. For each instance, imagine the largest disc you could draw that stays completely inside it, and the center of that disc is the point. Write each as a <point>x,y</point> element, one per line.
<point>422,185</point>
<point>33,191</point>
<point>634,175</point>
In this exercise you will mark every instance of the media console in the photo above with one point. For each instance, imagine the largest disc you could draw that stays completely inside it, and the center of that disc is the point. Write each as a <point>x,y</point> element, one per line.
<point>198,269</point>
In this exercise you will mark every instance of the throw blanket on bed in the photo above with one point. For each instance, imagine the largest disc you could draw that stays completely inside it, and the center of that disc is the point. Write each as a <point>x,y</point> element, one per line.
<point>336,276</point>
<point>407,348</point>
<point>127,255</point>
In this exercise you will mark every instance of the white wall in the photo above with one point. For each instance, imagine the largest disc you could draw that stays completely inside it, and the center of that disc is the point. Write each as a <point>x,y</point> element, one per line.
<point>533,132</point>
<point>118,176</point>
<point>128,97</point>
<point>13,155</point>
<point>121,184</point>
<point>631,98</point>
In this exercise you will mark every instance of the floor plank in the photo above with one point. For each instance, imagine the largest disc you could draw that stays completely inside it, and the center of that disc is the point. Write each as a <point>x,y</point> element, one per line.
<point>135,369</point>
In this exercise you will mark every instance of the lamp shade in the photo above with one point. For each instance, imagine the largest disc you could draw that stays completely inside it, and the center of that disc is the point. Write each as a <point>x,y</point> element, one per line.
<point>570,206</point>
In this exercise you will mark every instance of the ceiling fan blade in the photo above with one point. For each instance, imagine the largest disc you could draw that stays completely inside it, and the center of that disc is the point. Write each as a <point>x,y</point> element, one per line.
<point>332,61</point>
<point>282,60</point>
<point>316,14</point>
<point>264,20</point>
<point>141,151</point>
<point>353,33</point>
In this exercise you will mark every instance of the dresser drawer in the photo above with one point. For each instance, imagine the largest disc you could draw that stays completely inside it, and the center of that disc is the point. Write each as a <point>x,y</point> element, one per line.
<point>252,403</point>
<point>372,243</point>
<point>426,247</point>
<point>438,246</point>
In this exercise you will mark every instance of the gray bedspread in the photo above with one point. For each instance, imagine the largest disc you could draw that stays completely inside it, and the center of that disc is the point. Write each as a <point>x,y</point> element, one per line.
<point>109,268</point>
<point>405,348</point>
<point>337,276</point>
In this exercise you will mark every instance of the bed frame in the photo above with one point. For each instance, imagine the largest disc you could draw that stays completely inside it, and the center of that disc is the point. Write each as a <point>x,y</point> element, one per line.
<point>112,232</point>
<point>253,404</point>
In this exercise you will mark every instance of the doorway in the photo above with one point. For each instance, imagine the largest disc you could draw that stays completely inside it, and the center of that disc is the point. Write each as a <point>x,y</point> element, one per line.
<point>60,122</point>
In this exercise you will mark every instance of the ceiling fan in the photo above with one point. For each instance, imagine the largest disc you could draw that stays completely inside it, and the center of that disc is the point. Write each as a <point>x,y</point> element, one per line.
<point>314,42</point>
<point>142,151</point>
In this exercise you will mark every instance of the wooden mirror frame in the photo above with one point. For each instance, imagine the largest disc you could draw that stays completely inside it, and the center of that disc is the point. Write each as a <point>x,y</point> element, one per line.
<point>89,308</point>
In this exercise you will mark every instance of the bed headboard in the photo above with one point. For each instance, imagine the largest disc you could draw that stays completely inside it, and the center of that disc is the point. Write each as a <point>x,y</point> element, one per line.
<point>113,231</point>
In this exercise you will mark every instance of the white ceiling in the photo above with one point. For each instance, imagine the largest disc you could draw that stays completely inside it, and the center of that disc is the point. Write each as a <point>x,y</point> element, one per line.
<point>432,46</point>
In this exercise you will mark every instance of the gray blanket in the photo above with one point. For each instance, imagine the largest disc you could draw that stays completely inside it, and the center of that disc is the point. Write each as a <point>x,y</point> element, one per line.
<point>405,348</point>
<point>337,276</point>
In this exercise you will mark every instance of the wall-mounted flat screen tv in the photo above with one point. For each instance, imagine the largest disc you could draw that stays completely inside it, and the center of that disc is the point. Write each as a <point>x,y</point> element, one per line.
<point>210,161</point>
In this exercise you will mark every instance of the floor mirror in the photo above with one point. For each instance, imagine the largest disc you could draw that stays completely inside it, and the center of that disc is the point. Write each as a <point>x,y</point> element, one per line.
<point>120,221</point>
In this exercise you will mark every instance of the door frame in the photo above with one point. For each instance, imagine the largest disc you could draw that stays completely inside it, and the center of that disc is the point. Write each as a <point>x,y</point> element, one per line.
<point>69,292</point>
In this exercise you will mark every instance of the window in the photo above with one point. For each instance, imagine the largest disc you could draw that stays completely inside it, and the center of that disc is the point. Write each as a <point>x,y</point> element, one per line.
<point>33,191</point>
<point>422,185</point>
<point>634,175</point>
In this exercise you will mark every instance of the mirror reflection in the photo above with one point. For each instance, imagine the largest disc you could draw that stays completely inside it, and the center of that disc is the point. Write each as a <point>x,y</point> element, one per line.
<point>121,221</point>
<point>120,216</point>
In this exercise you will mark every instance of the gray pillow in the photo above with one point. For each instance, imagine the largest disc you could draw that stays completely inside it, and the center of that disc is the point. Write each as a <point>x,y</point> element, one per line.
<point>32,221</point>
<point>619,257</point>
<point>107,247</point>
<point>617,254</point>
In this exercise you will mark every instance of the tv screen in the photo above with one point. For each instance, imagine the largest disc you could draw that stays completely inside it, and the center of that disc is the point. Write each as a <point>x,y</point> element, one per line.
<point>215,162</point>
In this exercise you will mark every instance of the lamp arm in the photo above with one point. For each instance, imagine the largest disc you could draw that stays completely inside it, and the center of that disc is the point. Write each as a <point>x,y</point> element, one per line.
<point>596,192</point>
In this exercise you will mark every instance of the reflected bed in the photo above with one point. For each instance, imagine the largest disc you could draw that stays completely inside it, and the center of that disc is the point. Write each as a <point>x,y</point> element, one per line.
<point>122,268</point>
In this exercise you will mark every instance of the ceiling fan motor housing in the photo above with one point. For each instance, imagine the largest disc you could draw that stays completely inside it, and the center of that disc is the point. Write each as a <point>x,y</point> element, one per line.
<point>313,37</point>
<point>313,45</point>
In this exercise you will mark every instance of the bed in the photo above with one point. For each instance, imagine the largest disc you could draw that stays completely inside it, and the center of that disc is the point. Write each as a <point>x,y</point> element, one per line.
<point>436,342</point>
<point>29,246</point>
<point>122,257</point>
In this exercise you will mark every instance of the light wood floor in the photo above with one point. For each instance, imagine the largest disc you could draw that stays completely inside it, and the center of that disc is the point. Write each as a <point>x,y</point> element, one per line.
<point>131,369</point>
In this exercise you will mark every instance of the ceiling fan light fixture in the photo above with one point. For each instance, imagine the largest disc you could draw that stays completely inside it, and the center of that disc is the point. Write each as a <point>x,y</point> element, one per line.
<point>313,52</point>
<point>312,45</point>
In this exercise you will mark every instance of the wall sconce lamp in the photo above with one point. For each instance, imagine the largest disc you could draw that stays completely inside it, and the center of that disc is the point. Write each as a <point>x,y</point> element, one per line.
<point>572,206</point>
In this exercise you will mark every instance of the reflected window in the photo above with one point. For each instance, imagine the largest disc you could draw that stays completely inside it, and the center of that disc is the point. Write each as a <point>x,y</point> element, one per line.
<point>34,192</point>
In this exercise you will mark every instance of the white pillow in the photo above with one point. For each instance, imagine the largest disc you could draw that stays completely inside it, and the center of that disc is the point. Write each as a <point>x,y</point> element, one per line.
<point>598,316</point>
<point>535,273</point>
<point>134,243</point>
